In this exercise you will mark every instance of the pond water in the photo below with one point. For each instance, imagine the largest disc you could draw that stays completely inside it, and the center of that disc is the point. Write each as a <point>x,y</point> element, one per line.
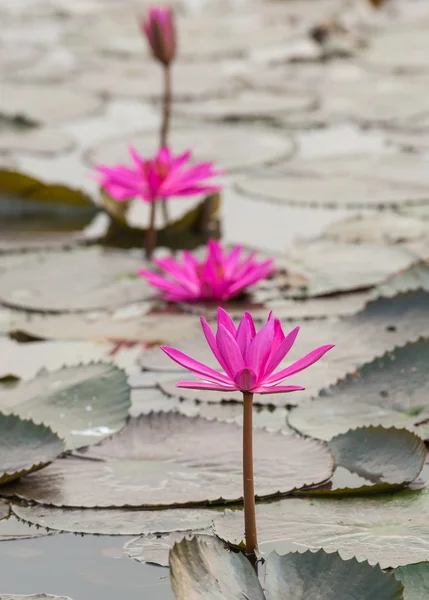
<point>81,567</point>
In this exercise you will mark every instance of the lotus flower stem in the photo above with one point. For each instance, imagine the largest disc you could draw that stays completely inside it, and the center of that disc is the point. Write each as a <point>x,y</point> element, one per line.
<point>165,125</point>
<point>248,483</point>
<point>151,234</point>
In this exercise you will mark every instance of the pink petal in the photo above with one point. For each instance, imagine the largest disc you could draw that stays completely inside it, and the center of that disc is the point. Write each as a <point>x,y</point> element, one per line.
<point>196,385</point>
<point>224,319</point>
<point>211,340</point>
<point>245,379</point>
<point>281,352</point>
<point>277,389</point>
<point>229,351</point>
<point>259,350</point>
<point>195,367</point>
<point>299,365</point>
<point>244,335</point>
<point>251,324</point>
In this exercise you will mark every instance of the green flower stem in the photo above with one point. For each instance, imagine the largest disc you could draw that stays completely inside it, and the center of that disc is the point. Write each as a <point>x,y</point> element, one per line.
<point>248,483</point>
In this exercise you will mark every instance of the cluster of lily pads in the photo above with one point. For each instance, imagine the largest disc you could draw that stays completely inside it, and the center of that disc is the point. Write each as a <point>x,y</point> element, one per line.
<point>111,445</point>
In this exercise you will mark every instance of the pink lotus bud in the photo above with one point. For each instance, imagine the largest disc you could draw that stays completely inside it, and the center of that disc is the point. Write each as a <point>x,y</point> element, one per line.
<point>158,26</point>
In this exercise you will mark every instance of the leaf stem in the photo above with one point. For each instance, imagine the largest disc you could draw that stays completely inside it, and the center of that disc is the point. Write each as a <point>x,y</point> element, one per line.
<point>165,125</point>
<point>248,483</point>
<point>151,234</point>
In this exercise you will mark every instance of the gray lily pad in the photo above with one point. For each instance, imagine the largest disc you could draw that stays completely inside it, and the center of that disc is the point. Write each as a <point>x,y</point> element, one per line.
<point>120,325</point>
<point>83,404</point>
<point>230,147</point>
<point>387,228</point>
<point>415,578</point>
<point>249,105</point>
<point>32,597</point>
<point>387,49</point>
<point>26,447</point>
<point>332,267</point>
<point>415,277</point>
<point>340,189</point>
<point>4,510</point>
<point>390,391</point>
<point>202,568</point>
<point>46,103</point>
<point>155,549</point>
<point>44,215</point>
<point>85,279</point>
<point>389,529</point>
<point>383,459</point>
<point>12,529</point>
<point>116,522</point>
<point>40,141</point>
<point>152,462</point>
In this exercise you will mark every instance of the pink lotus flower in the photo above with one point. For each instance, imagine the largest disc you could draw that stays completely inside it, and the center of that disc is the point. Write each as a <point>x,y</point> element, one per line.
<point>158,26</point>
<point>219,276</point>
<point>161,177</point>
<point>247,358</point>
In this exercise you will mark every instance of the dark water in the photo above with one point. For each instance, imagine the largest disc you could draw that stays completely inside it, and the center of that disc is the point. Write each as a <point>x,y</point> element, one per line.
<point>83,568</point>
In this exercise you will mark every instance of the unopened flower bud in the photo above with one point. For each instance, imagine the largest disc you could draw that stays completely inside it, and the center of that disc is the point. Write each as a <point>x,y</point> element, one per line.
<point>158,26</point>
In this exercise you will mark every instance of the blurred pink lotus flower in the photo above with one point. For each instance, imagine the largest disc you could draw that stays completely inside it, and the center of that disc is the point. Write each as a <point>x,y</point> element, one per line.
<point>158,27</point>
<point>162,177</point>
<point>219,276</point>
<point>247,358</point>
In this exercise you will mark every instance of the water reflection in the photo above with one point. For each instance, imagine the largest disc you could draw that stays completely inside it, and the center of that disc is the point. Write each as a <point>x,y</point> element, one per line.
<point>83,568</point>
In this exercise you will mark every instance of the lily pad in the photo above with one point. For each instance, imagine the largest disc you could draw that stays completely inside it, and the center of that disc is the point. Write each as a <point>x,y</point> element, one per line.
<point>415,277</point>
<point>12,529</point>
<point>154,549</point>
<point>202,568</point>
<point>387,49</point>
<point>383,459</point>
<point>415,578</point>
<point>116,522</point>
<point>230,147</point>
<point>46,103</point>
<point>387,228</point>
<point>390,391</point>
<point>152,462</point>
<point>249,105</point>
<point>32,597</point>
<point>339,189</point>
<point>389,529</point>
<point>26,447</point>
<point>83,280</point>
<point>333,267</point>
<point>40,141</point>
<point>44,215</point>
<point>83,404</point>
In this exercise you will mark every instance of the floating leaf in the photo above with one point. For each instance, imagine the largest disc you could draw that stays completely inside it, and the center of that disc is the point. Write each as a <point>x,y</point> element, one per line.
<point>83,280</point>
<point>390,529</point>
<point>12,529</point>
<point>83,404</point>
<point>32,597</point>
<point>4,510</point>
<point>390,391</point>
<point>25,447</point>
<point>383,459</point>
<point>155,549</point>
<point>49,215</point>
<point>339,189</point>
<point>205,569</point>
<point>152,462</point>
<point>415,277</point>
<point>415,578</point>
<point>116,522</point>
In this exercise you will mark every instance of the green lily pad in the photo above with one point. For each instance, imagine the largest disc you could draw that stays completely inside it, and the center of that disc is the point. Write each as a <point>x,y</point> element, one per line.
<point>390,529</point>
<point>84,279</point>
<point>155,549</point>
<point>152,462</point>
<point>26,447</point>
<point>382,459</point>
<point>390,391</point>
<point>205,569</point>
<point>415,578</point>
<point>83,404</point>
<point>49,215</point>
<point>115,522</point>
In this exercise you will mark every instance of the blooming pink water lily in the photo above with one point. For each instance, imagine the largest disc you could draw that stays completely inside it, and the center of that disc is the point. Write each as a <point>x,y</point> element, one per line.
<point>158,26</point>
<point>162,177</point>
<point>248,358</point>
<point>220,276</point>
